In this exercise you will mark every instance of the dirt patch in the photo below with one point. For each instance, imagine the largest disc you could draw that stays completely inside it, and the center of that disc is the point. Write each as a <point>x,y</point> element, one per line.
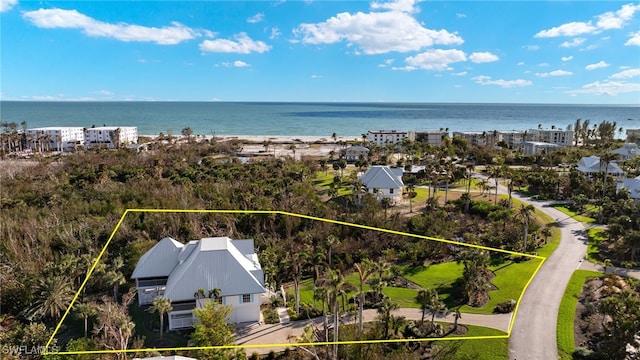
<point>587,324</point>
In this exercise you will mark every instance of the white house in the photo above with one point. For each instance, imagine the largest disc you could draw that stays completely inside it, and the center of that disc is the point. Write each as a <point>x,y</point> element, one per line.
<point>536,147</point>
<point>386,137</point>
<point>383,181</point>
<point>353,153</point>
<point>177,271</point>
<point>628,151</point>
<point>593,164</point>
<point>54,138</point>
<point>632,186</point>
<point>111,136</point>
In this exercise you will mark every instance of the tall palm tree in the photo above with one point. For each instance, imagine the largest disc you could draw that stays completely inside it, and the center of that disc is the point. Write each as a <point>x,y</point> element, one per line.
<point>162,306</point>
<point>430,300</point>
<point>526,214</point>
<point>337,288</point>
<point>365,270</point>
<point>384,311</point>
<point>114,276</point>
<point>84,311</point>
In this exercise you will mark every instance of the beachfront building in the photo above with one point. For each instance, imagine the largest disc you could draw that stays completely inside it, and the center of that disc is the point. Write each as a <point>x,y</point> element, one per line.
<point>386,137</point>
<point>384,182</point>
<point>431,137</point>
<point>628,151</point>
<point>633,135</point>
<point>354,153</point>
<point>590,165</point>
<point>111,136</point>
<point>187,274</point>
<point>479,138</point>
<point>537,148</point>
<point>552,136</point>
<point>54,138</point>
<point>512,138</point>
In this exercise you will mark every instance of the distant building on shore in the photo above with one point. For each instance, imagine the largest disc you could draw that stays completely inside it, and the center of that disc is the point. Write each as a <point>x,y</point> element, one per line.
<point>537,147</point>
<point>54,138</point>
<point>479,138</point>
<point>551,136</point>
<point>387,137</point>
<point>111,136</point>
<point>431,137</point>
<point>353,153</point>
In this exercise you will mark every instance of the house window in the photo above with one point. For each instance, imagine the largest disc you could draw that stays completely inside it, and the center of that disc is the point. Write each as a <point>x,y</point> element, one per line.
<point>390,191</point>
<point>246,298</point>
<point>218,299</point>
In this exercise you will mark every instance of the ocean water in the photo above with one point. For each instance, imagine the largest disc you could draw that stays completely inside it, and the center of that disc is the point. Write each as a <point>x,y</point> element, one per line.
<point>310,119</point>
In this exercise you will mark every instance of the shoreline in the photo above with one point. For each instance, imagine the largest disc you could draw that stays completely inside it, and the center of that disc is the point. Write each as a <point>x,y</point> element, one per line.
<point>274,139</point>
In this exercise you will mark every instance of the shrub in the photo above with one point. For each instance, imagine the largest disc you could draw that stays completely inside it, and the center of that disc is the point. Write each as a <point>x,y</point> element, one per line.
<point>505,307</point>
<point>582,353</point>
<point>271,316</point>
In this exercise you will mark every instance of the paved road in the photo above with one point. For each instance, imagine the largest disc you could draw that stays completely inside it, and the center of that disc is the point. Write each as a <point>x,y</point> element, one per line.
<point>534,331</point>
<point>267,334</point>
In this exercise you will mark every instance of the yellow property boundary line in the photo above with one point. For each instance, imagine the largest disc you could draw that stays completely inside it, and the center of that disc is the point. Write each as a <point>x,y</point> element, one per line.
<point>277,212</point>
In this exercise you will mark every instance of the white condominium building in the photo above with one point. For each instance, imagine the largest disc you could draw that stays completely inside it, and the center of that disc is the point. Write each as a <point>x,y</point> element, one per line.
<point>551,136</point>
<point>386,137</point>
<point>54,138</point>
<point>111,136</point>
<point>432,137</point>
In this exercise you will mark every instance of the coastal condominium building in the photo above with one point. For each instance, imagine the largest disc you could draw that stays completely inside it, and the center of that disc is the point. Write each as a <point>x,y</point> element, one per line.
<point>633,135</point>
<point>111,136</point>
<point>54,138</point>
<point>431,137</point>
<point>479,138</point>
<point>386,137</point>
<point>552,136</point>
<point>513,138</point>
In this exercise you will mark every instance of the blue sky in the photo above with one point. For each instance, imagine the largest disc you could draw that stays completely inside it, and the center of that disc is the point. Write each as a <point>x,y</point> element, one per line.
<point>395,51</point>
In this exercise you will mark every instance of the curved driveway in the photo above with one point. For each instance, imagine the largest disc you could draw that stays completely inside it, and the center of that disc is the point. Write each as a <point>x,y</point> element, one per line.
<point>533,335</point>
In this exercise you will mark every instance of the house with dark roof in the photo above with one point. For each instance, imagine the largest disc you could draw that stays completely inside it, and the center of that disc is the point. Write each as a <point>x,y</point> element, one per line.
<point>383,182</point>
<point>178,271</point>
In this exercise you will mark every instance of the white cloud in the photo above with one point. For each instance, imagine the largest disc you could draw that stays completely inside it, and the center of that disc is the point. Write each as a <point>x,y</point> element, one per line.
<point>634,39</point>
<point>483,57</point>
<point>243,45</point>
<point>599,65</point>
<point>544,64</point>
<point>6,5</point>
<point>105,92</point>
<point>462,73</point>
<point>573,43</point>
<point>377,32</point>
<point>486,80</point>
<point>316,76</point>
<point>567,58</point>
<point>617,20</point>
<point>521,63</point>
<point>554,73</point>
<point>569,29</point>
<point>275,33</point>
<point>72,19</point>
<point>626,74</point>
<point>256,18</point>
<point>532,47</point>
<point>611,88</point>
<point>437,59</point>
<point>461,15</point>
<point>386,63</point>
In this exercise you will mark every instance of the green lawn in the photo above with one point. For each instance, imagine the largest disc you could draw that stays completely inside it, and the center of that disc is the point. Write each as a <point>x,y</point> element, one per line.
<point>573,214</point>
<point>566,313</point>
<point>484,349</point>
<point>596,236</point>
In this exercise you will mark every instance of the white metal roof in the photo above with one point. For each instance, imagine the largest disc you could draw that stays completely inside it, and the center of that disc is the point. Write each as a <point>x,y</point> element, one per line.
<point>382,177</point>
<point>215,263</point>
<point>159,261</point>
<point>592,164</point>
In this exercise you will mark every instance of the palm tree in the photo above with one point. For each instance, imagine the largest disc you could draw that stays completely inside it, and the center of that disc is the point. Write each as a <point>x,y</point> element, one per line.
<point>336,288</point>
<point>456,316</point>
<point>384,310</point>
<point>429,300</point>
<point>364,272</point>
<point>52,297</point>
<point>84,311</point>
<point>114,276</point>
<point>161,305</point>
<point>526,214</point>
